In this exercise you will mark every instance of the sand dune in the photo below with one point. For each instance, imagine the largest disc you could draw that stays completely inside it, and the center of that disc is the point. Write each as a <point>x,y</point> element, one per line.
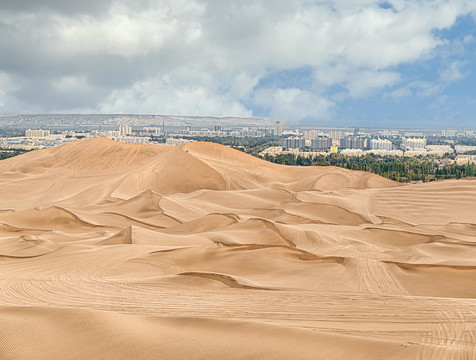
<point>111,250</point>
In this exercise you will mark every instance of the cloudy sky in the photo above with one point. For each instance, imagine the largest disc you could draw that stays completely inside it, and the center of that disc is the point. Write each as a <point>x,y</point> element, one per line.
<point>354,62</point>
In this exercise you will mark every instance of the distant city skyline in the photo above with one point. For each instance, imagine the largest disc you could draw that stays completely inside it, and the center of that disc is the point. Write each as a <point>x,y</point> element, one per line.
<point>365,63</point>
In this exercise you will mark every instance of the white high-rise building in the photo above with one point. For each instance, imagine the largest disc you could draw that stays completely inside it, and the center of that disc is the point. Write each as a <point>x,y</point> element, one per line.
<point>311,134</point>
<point>448,133</point>
<point>37,133</point>
<point>294,143</point>
<point>336,135</point>
<point>125,130</point>
<point>415,143</point>
<point>461,149</point>
<point>380,144</point>
<point>278,128</point>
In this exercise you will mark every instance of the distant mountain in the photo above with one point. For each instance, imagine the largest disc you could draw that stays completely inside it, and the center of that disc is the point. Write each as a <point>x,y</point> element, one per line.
<point>88,120</point>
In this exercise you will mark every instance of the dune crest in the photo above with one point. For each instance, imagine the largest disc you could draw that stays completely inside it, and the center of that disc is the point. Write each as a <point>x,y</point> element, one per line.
<point>114,250</point>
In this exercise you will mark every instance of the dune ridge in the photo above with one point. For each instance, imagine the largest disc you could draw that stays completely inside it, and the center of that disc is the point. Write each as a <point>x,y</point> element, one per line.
<point>201,251</point>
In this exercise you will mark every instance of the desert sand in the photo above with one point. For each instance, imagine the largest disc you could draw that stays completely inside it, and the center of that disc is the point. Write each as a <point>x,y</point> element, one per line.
<point>122,251</point>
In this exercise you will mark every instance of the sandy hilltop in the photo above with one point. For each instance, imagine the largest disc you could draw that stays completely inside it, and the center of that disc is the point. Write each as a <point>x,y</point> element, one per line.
<point>122,251</point>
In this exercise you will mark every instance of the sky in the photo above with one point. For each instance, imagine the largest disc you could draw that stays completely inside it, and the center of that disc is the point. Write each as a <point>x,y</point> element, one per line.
<point>396,63</point>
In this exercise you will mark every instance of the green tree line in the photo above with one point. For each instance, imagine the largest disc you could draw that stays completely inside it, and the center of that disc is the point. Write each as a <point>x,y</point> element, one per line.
<point>402,169</point>
<point>5,154</point>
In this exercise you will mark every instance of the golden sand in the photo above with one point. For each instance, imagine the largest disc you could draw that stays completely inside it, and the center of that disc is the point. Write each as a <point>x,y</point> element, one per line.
<point>123,251</point>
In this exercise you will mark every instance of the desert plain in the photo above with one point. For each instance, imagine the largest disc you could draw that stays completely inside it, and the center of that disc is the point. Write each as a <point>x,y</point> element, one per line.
<point>122,251</point>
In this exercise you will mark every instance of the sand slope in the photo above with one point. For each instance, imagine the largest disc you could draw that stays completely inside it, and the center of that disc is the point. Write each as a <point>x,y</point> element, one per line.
<point>112,250</point>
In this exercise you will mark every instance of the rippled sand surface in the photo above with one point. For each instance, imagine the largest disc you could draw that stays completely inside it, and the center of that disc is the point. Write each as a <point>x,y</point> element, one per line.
<point>122,251</point>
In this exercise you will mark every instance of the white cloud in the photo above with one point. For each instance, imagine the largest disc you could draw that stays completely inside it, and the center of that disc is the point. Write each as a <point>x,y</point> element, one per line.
<point>126,32</point>
<point>363,83</point>
<point>419,89</point>
<point>401,92</point>
<point>6,87</point>
<point>71,83</point>
<point>208,56</point>
<point>453,72</point>
<point>468,39</point>
<point>242,85</point>
<point>3,88</point>
<point>165,96</point>
<point>294,104</point>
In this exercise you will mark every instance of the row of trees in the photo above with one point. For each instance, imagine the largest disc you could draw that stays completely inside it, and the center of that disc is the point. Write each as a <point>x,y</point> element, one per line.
<point>252,145</point>
<point>402,169</point>
<point>5,154</point>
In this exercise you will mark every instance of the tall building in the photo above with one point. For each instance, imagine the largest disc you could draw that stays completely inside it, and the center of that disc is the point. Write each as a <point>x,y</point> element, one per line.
<point>310,134</point>
<point>380,144</point>
<point>336,135</point>
<point>414,143</point>
<point>294,143</point>
<point>448,133</point>
<point>125,130</point>
<point>321,143</point>
<point>278,128</point>
<point>148,131</point>
<point>37,133</point>
<point>353,142</point>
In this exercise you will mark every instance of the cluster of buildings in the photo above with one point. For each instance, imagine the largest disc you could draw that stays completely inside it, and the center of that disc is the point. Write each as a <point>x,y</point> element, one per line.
<point>40,139</point>
<point>219,132</point>
<point>321,142</point>
<point>305,142</point>
<point>386,142</point>
<point>37,133</point>
<point>461,149</point>
<point>465,159</point>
